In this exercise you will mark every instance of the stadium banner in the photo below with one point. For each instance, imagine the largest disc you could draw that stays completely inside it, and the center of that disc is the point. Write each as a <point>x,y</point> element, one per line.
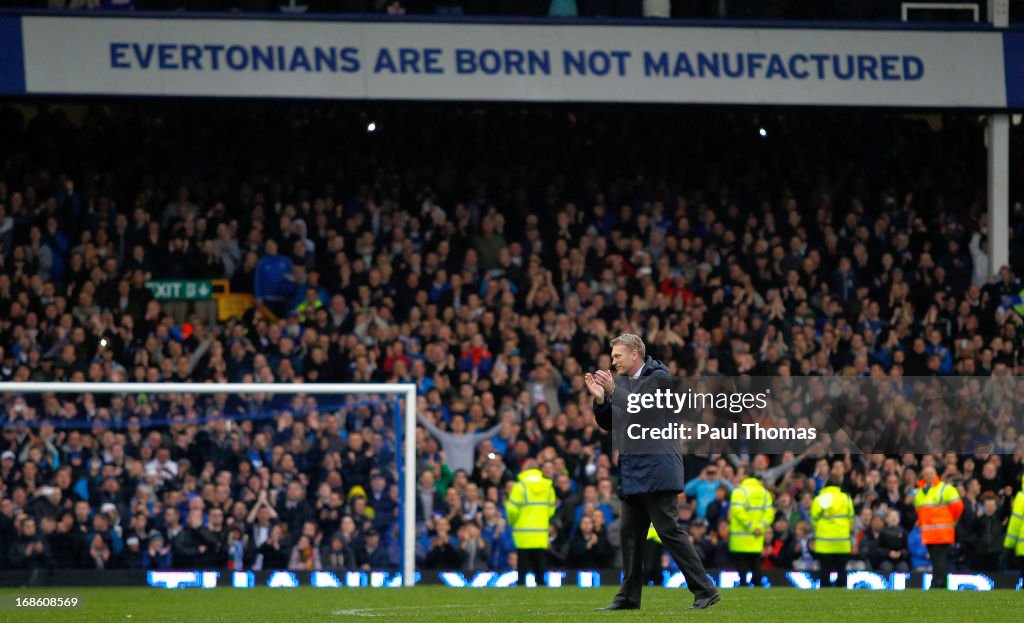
<point>554,61</point>
<point>339,578</point>
<point>866,580</point>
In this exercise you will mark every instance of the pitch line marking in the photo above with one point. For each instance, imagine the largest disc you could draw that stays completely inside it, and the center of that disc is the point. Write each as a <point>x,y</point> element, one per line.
<point>369,612</point>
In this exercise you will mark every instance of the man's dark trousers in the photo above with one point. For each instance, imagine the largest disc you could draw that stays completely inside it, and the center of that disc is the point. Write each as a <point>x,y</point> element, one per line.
<point>533,561</point>
<point>748,563</point>
<point>830,563</point>
<point>661,508</point>
<point>939,553</point>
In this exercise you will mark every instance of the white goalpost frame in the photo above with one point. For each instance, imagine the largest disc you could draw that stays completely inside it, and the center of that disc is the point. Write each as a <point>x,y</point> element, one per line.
<point>408,435</point>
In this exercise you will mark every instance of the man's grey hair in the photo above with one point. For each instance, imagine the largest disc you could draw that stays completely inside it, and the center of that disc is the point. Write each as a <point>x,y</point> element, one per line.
<point>633,342</point>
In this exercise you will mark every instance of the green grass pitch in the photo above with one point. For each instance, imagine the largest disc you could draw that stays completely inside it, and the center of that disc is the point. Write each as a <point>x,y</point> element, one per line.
<point>539,605</point>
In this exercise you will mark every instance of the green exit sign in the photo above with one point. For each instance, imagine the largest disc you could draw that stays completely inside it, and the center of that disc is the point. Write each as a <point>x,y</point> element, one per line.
<point>181,290</point>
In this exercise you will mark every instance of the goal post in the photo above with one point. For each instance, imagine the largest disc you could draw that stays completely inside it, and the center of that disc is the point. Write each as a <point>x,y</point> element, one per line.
<point>405,434</point>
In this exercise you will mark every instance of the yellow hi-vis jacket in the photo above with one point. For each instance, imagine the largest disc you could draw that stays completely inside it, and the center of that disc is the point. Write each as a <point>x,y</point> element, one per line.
<point>832,520</point>
<point>303,310</point>
<point>1015,530</point>
<point>530,507</point>
<point>750,508</point>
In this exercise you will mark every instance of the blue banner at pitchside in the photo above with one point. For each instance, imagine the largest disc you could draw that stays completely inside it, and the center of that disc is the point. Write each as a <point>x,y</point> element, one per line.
<point>803,580</point>
<point>538,61</point>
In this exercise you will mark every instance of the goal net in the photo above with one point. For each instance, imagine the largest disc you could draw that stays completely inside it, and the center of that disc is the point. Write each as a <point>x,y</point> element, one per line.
<point>316,460</point>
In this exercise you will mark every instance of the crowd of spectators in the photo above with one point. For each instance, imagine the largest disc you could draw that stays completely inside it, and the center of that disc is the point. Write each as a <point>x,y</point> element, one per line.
<point>488,256</point>
<point>862,10</point>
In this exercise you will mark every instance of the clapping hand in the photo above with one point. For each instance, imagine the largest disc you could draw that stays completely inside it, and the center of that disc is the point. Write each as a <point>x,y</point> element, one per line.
<point>594,387</point>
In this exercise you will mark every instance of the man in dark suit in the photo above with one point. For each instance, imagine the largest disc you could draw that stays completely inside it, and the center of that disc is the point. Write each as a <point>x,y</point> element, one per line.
<point>649,483</point>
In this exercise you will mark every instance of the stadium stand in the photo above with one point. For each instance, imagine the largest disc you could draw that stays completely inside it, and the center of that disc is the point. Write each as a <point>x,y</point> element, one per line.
<point>487,255</point>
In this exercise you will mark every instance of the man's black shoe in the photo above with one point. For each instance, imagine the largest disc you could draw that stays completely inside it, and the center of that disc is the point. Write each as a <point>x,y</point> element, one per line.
<point>707,602</point>
<point>617,606</point>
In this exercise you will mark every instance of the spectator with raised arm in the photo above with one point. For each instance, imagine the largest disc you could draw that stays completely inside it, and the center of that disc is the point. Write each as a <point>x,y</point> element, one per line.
<point>460,443</point>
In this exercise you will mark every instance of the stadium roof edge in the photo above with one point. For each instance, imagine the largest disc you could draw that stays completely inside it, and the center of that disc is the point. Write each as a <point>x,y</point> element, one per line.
<point>530,21</point>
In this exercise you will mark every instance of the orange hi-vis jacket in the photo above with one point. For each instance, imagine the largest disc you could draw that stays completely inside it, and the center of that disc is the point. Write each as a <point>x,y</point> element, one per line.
<point>938,508</point>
